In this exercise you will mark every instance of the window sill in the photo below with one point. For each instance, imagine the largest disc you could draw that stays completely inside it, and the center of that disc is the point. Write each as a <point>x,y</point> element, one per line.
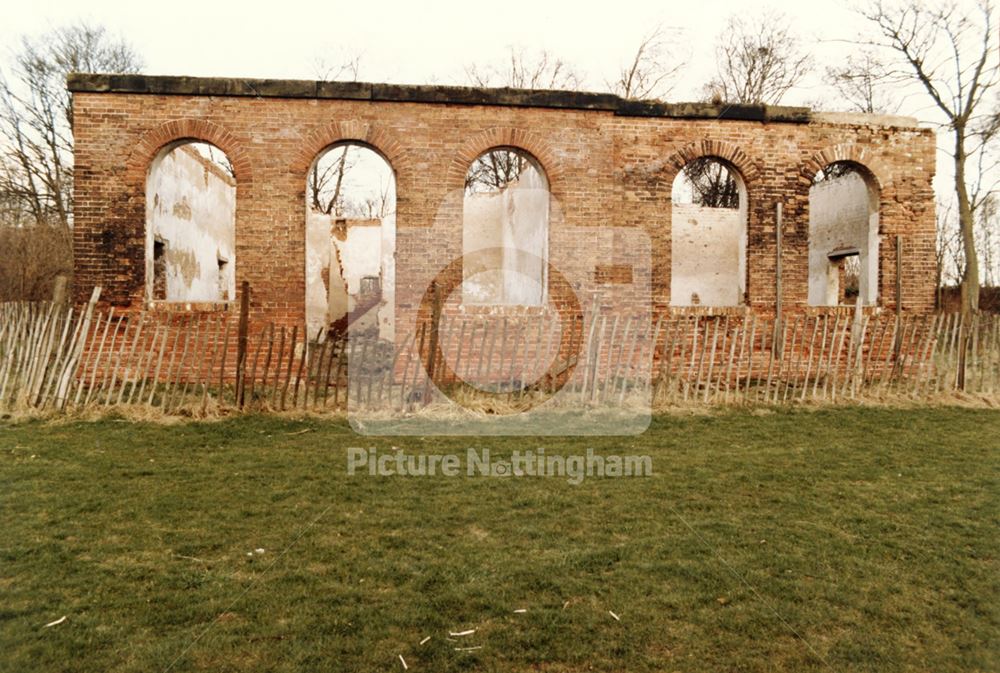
<point>709,311</point>
<point>844,309</point>
<point>504,309</point>
<point>167,306</point>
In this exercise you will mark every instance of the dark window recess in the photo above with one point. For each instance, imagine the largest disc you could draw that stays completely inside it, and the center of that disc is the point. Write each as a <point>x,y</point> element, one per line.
<point>371,286</point>
<point>221,279</point>
<point>159,270</point>
<point>849,273</point>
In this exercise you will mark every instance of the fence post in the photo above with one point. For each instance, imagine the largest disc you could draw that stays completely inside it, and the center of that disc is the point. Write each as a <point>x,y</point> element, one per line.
<point>241,342</point>
<point>432,345</point>
<point>59,290</point>
<point>963,347</point>
<point>777,345</point>
<point>898,344</point>
<point>78,348</point>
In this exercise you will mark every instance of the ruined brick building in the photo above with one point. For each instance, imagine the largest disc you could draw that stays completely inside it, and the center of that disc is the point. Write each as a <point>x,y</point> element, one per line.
<point>579,170</point>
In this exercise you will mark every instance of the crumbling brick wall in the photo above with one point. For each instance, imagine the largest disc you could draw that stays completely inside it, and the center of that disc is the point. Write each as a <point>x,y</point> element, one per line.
<point>609,163</point>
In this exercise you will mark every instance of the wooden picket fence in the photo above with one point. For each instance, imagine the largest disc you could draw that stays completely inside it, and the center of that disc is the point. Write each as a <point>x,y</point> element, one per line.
<point>55,357</point>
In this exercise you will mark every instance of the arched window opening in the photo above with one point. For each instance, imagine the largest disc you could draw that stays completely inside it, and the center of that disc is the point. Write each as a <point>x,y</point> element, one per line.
<point>843,236</point>
<point>350,241</point>
<point>190,225</point>
<point>505,230</point>
<point>708,235</point>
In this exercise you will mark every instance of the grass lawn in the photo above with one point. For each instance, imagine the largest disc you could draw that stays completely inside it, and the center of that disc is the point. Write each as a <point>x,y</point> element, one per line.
<point>839,540</point>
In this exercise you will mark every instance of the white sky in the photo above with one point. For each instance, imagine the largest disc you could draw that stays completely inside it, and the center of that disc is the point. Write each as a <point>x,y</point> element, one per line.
<point>418,42</point>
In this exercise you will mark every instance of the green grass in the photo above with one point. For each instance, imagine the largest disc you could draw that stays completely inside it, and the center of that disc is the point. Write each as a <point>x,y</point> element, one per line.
<point>842,540</point>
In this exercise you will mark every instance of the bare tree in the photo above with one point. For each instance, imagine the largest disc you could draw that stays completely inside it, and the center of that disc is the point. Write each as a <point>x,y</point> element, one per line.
<point>15,200</point>
<point>36,114</point>
<point>949,260</point>
<point>864,83</point>
<point>650,72</point>
<point>524,70</point>
<point>31,259</point>
<point>952,54</point>
<point>213,154</point>
<point>326,181</point>
<point>494,170</point>
<point>950,251</point>
<point>712,183</point>
<point>342,184</point>
<point>987,243</point>
<point>378,206</point>
<point>499,167</point>
<point>345,68</point>
<point>757,61</point>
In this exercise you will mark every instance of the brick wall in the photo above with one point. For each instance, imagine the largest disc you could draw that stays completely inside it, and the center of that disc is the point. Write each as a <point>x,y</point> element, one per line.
<point>609,163</point>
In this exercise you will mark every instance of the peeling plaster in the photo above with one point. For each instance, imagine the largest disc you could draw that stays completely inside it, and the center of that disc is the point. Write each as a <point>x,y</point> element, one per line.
<point>708,264</point>
<point>339,254</point>
<point>513,219</point>
<point>843,215</point>
<point>191,208</point>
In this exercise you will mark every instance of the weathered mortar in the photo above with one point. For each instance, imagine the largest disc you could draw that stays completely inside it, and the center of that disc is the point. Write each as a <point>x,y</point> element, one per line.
<point>609,162</point>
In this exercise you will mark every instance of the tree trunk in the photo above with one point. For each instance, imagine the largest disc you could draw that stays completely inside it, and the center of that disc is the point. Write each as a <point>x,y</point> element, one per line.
<point>970,279</point>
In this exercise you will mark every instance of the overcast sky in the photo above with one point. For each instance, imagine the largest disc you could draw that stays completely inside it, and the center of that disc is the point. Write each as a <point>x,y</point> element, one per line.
<point>418,42</point>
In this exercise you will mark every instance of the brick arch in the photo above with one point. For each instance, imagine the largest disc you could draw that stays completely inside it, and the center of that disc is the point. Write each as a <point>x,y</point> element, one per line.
<point>745,165</point>
<point>748,170</point>
<point>374,136</point>
<point>137,164</point>
<point>876,176</point>
<point>505,136</point>
<point>153,141</point>
<point>849,152</point>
